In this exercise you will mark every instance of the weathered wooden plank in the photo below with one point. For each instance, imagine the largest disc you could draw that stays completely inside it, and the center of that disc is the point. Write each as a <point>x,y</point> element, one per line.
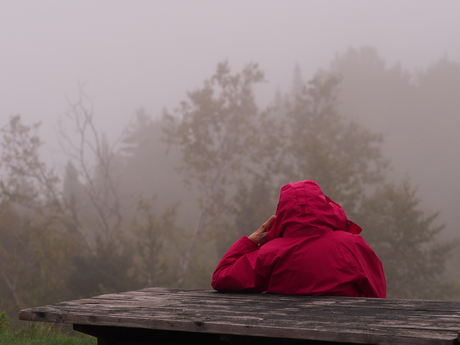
<point>245,312</point>
<point>136,336</point>
<point>340,319</point>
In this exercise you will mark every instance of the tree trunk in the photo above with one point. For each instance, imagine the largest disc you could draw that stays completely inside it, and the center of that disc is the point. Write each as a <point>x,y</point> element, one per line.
<point>13,291</point>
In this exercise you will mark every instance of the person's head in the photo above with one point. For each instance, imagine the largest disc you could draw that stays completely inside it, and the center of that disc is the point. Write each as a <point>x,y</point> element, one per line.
<point>303,206</point>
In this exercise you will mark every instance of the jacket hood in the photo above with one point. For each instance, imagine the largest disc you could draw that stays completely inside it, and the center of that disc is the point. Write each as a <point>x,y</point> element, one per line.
<point>303,207</point>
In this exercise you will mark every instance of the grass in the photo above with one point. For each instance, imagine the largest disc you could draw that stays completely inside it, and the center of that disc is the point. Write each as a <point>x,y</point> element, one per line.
<point>39,334</point>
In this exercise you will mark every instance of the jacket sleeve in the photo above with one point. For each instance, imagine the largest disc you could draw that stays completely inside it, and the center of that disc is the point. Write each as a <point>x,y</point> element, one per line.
<point>239,269</point>
<point>371,281</point>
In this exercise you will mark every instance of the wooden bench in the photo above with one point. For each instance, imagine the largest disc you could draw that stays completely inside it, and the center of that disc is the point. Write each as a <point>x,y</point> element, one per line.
<point>169,316</point>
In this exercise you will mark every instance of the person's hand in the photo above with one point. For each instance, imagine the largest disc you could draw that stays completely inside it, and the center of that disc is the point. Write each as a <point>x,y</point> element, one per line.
<point>258,236</point>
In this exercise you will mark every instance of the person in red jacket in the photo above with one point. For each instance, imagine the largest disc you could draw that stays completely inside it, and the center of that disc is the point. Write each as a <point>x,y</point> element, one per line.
<point>308,248</point>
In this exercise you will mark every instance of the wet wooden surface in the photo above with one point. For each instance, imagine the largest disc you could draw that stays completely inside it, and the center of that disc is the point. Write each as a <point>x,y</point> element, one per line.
<point>161,313</point>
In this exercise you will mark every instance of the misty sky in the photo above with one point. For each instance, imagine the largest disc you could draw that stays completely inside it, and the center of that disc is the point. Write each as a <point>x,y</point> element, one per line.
<point>133,54</point>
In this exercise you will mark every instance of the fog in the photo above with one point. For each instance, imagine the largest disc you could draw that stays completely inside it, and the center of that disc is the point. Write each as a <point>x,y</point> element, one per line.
<point>122,219</point>
<point>148,54</point>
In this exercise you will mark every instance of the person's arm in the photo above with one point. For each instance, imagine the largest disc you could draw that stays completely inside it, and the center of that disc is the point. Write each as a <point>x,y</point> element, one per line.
<point>239,270</point>
<point>372,281</point>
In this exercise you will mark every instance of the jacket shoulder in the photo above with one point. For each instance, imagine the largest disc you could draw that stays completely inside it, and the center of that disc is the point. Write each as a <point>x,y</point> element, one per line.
<point>349,240</point>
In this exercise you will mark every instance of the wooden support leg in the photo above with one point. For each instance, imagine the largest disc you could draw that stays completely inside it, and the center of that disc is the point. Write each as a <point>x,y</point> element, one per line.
<point>104,341</point>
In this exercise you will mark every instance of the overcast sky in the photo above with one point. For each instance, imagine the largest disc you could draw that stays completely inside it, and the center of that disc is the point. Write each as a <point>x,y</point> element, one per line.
<point>133,54</point>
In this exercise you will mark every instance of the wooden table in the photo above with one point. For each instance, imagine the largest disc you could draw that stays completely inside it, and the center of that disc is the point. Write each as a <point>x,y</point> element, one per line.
<point>169,316</point>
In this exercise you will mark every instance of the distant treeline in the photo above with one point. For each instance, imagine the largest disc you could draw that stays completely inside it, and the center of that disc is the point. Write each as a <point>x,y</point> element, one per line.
<point>160,206</point>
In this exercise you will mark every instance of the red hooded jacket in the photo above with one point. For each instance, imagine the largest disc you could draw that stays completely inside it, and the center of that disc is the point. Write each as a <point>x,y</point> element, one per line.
<point>311,249</point>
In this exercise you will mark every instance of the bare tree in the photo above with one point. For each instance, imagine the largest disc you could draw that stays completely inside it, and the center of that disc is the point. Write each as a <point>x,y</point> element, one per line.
<point>30,208</point>
<point>95,161</point>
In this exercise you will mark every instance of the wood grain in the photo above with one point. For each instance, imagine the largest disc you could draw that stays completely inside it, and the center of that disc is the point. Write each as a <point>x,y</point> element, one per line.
<point>334,319</point>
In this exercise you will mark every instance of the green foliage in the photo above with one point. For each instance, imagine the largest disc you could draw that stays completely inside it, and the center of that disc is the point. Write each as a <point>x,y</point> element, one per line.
<point>418,114</point>
<point>101,201</point>
<point>217,130</point>
<point>26,177</point>
<point>148,170</point>
<point>107,271</point>
<point>340,155</point>
<point>62,244</point>
<point>254,204</point>
<point>39,334</point>
<point>155,239</point>
<point>35,247</point>
<point>405,239</point>
<point>4,321</point>
<point>34,259</point>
